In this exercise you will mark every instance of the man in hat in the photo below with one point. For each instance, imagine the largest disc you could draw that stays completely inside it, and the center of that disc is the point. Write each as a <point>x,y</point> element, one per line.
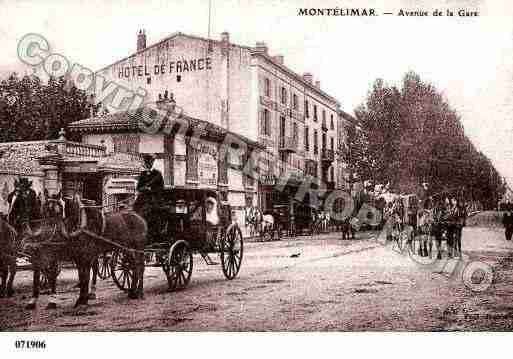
<point>24,198</point>
<point>149,187</point>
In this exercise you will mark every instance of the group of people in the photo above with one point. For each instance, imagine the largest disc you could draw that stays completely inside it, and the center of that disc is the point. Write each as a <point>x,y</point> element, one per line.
<point>441,219</point>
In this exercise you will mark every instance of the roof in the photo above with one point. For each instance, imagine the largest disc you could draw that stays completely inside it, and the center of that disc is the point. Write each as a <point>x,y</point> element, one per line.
<point>169,37</point>
<point>133,121</point>
<point>115,161</point>
<point>21,157</point>
<point>217,42</point>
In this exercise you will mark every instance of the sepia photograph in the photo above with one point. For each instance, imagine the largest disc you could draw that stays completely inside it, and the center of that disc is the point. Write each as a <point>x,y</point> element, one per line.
<point>255,166</point>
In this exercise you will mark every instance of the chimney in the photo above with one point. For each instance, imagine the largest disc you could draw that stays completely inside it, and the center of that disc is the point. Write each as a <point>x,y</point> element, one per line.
<point>141,40</point>
<point>166,101</point>
<point>278,59</point>
<point>225,37</point>
<point>261,47</point>
<point>308,77</point>
<point>318,84</point>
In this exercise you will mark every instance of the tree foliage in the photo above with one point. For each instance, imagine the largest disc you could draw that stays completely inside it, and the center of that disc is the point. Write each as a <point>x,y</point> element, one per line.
<point>411,135</point>
<point>32,110</point>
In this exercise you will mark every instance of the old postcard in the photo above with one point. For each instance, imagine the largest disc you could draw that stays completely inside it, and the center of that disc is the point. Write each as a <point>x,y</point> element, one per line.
<point>254,166</point>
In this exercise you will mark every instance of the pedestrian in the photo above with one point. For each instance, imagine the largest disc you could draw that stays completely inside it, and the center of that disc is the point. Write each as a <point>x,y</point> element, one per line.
<point>507,221</point>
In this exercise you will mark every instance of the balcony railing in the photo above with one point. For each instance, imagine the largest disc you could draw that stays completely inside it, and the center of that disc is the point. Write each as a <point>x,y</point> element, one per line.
<point>288,144</point>
<point>83,149</point>
<point>327,155</point>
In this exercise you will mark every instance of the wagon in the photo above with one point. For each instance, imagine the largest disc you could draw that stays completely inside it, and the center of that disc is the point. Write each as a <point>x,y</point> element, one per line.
<point>304,218</point>
<point>282,220</point>
<point>189,221</point>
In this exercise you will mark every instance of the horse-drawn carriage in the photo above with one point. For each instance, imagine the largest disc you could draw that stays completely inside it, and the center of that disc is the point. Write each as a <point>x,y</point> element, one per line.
<point>304,219</point>
<point>188,221</point>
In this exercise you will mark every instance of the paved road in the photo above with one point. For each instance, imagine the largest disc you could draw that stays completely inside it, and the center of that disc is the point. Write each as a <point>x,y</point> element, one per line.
<point>304,284</point>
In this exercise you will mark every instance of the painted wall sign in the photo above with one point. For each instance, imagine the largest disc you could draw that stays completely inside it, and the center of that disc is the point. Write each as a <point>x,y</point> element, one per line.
<point>207,165</point>
<point>180,66</point>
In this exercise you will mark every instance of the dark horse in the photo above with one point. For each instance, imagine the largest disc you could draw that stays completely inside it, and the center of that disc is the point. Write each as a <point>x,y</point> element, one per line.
<point>74,234</point>
<point>91,232</point>
<point>22,233</point>
<point>8,252</point>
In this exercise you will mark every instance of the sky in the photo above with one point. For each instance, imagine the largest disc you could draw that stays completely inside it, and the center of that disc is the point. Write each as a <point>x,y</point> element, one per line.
<point>469,59</point>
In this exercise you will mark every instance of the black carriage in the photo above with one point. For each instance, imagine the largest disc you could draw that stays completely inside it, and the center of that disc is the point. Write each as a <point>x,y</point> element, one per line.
<point>282,220</point>
<point>189,221</point>
<point>304,219</point>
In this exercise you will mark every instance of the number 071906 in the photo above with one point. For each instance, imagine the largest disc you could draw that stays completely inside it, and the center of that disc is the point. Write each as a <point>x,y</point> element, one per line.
<point>30,344</point>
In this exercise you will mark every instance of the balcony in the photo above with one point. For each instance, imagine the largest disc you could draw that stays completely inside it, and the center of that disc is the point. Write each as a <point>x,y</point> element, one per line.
<point>288,144</point>
<point>82,149</point>
<point>327,156</point>
<point>324,126</point>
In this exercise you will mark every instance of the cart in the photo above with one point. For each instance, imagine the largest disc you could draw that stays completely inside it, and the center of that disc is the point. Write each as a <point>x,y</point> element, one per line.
<point>189,221</point>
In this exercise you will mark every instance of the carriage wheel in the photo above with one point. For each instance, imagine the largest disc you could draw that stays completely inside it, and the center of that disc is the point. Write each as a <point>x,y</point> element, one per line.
<point>178,266</point>
<point>232,249</point>
<point>122,270</point>
<point>104,265</point>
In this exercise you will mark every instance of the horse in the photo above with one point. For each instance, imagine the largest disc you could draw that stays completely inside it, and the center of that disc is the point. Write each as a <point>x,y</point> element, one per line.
<point>8,253</point>
<point>32,226</point>
<point>253,220</point>
<point>425,221</point>
<point>54,206</point>
<point>346,228</point>
<point>95,232</point>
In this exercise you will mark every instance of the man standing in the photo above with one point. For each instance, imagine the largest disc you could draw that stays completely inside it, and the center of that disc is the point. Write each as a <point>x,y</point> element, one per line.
<point>149,187</point>
<point>507,221</point>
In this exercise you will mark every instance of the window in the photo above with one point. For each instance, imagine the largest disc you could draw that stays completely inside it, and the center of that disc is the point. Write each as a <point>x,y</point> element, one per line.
<point>316,143</point>
<point>294,101</point>
<point>332,175</point>
<point>307,112</point>
<point>307,142</point>
<point>324,116</point>
<point>265,128</point>
<point>315,112</point>
<point>283,95</point>
<point>332,125</point>
<point>332,144</point>
<point>268,87</point>
<point>294,131</point>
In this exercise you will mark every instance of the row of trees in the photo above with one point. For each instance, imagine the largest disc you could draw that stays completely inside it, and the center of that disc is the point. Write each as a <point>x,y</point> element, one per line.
<point>410,135</point>
<point>33,110</point>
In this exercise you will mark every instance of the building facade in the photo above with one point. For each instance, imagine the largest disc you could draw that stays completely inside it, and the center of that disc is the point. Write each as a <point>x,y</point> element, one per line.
<point>244,90</point>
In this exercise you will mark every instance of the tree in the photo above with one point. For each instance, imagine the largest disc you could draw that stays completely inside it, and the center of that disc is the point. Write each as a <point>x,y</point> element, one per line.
<point>412,135</point>
<point>31,110</point>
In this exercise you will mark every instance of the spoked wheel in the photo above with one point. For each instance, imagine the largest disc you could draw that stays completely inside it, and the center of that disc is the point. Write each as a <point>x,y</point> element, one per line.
<point>232,249</point>
<point>104,265</point>
<point>178,265</point>
<point>122,270</point>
